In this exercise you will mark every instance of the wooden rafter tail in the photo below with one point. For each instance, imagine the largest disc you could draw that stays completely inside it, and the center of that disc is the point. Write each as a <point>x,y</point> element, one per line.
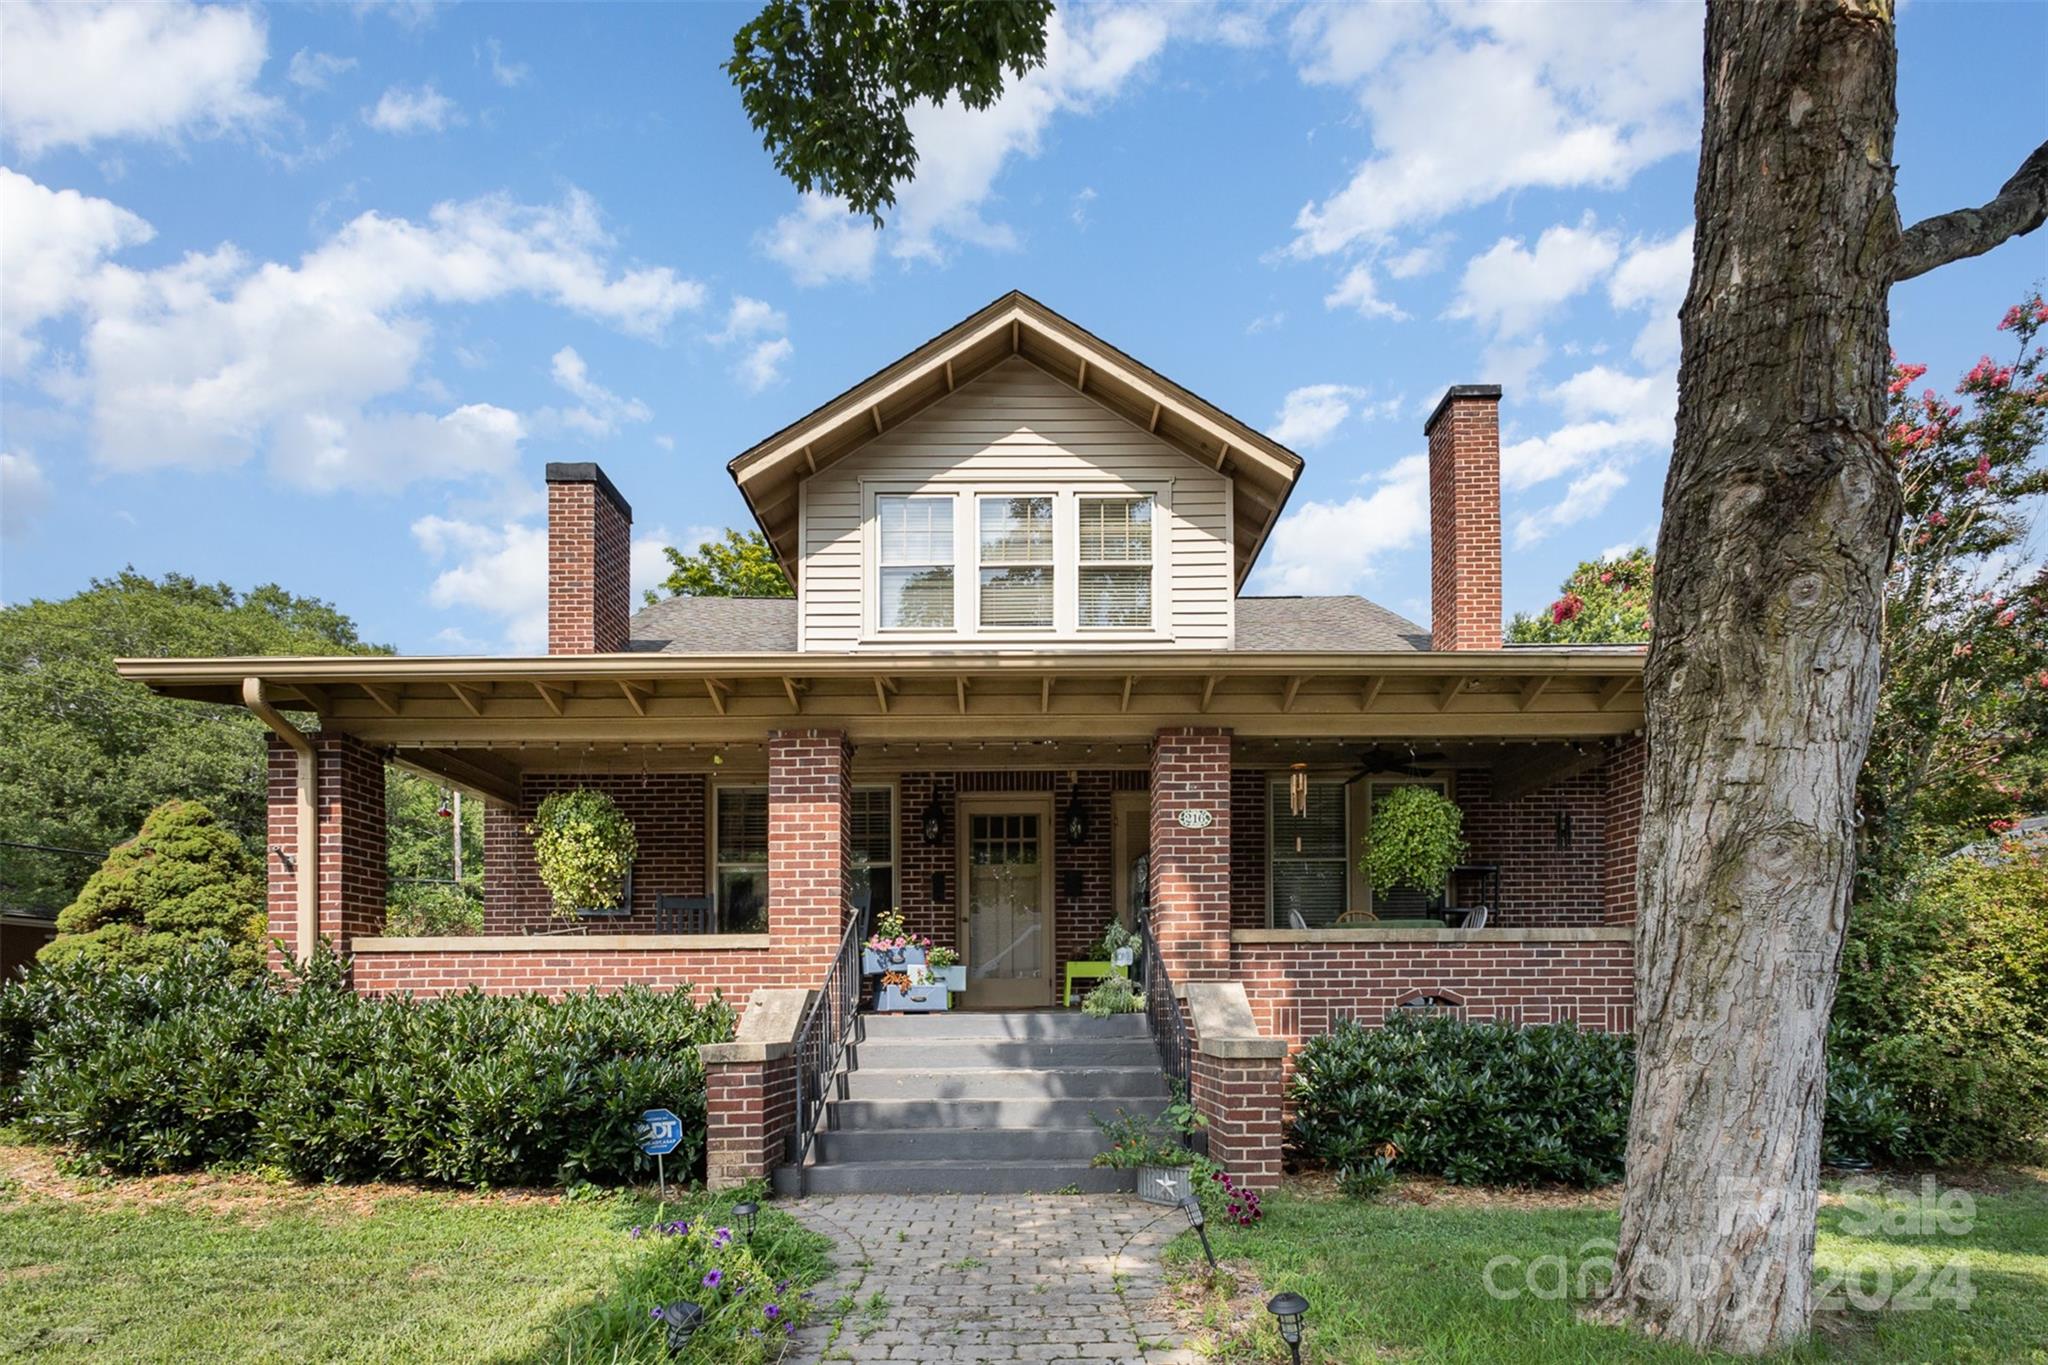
<point>794,690</point>
<point>387,698</point>
<point>636,695</point>
<point>1533,689</point>
<point>1611,692</point>
<point>1045,694</point>
<point>1292,691</point>
<point>883,686</point>
<point>1208,691</point>
<point>716,690</point>
<point>1370,692</point>
<point>553,696</point>
<point>1130,682</point>
<point>960,691</point>
<point>1448,693</point>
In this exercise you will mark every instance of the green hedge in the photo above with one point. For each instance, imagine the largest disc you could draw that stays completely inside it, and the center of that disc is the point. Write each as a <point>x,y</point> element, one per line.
<point>193,1066</point>
<point>1485,1103</point>
<point>1944,1000</point>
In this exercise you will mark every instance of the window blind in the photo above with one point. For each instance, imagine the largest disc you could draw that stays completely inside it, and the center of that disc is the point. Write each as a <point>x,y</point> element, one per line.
<point>1016,562</point>
<point>1308,882</point>
<point>1116,562</point>
<point>917,563</point>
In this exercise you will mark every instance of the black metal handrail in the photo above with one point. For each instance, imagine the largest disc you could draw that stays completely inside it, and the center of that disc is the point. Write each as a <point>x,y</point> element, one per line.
<point>1163,1012</point>
<point>821,1042</point>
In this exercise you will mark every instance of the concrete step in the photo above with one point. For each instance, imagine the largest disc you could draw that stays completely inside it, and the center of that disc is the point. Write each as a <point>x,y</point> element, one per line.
<point>861,1115</point>
<point>990,1145</point>
<point>906,1054</point>
<point>1011,1026</point>
<point>1089,1082</point>
<point>968,1177</point>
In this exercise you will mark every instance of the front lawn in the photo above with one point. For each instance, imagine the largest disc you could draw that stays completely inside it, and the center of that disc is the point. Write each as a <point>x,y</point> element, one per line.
<point>206,1267</point>
<point>1405,1280</point>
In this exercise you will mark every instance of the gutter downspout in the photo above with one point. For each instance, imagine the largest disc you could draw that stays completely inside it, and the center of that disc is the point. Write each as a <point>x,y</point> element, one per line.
<point>306,875</point>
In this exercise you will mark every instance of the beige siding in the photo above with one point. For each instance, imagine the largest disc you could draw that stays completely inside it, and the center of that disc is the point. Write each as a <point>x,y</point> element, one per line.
<point>1016,419</point>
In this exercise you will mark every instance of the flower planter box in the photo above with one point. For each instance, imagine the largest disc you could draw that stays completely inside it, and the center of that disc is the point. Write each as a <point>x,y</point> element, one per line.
<point>953,978</point>
<point>873,963</point>
<point>916,1000</point>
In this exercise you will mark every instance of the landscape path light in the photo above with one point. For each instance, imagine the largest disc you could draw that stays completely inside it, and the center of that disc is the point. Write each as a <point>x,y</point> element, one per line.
<point>682,1321</point>
<point>1288,1310</point>
<point>747,1210</point>
<point>1192,1207</point>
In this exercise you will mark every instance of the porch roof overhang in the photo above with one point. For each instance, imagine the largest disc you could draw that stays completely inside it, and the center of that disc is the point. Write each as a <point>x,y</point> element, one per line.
<point>1261,470</point>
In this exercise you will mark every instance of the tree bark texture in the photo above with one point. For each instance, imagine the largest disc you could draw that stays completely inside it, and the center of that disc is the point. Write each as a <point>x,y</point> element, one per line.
<point>1779,512</point>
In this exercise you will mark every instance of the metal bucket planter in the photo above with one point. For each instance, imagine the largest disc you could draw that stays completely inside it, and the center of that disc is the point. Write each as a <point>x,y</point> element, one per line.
<point>1163,1184</point>
<point>874,963</point>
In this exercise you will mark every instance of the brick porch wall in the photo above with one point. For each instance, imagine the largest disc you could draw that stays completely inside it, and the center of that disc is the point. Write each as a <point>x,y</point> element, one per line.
<point>750,1109</point>
<point>734,972</point>
<point>349,793</point>
<point>810,850</point>
<point>1191,876</point>
<point>1299,991</point>
<point>1623,818</point>
<point>668,815</point>
<point>1540,883</point>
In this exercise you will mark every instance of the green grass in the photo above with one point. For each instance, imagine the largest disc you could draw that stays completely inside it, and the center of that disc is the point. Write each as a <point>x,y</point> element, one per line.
<point>214,1268</point>
<point>1395,1280</point>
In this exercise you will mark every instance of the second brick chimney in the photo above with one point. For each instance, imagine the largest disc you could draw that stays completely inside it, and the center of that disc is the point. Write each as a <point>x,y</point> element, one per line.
<point>1464,518</point>
<point>590,551</point>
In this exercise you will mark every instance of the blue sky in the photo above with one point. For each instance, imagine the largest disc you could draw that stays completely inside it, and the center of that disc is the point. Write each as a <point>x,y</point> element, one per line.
<point>311,294</point>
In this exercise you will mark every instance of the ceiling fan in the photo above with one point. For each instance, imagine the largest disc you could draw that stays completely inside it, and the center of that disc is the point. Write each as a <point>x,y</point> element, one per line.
<point>1411,764</point>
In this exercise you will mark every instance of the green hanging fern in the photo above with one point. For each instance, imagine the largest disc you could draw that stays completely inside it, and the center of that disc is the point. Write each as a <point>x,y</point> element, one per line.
<point>584,847</point>
<point>1415,840</point>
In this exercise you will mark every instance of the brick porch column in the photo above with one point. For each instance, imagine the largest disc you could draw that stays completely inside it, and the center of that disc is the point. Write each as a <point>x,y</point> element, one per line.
<point>810,850</point>
<point>1622,810</point>
<point>1191,865</point>
<point>1236,1075</point>
<point>350,786</point>
<point>750,1091</point>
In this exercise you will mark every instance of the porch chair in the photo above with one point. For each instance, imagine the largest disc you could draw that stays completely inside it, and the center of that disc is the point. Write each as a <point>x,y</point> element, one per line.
<point>684,915</point>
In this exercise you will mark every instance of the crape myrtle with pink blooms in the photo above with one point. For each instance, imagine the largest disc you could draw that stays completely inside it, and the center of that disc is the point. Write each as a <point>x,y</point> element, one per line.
<point>1960,746</point>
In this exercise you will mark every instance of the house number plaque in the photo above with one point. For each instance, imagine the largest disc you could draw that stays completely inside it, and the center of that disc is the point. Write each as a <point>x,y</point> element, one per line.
<point>1195,818</point>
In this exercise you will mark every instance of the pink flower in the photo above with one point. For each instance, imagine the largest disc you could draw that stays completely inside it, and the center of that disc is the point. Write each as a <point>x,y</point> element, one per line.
<point>1937,518</point>
<point>1986,374</point>
<point>2014,316</point>
<point>1566,608</point>
<point>2006,618</point>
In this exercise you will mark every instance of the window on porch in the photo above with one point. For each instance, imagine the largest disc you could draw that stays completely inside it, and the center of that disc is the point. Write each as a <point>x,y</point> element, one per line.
<point>874,851</point>
<point>1312,859</point>
<point>739,858</point>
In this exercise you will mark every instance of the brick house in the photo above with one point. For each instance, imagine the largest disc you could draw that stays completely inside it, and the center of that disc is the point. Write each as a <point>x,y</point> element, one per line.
<point>1017,694</point>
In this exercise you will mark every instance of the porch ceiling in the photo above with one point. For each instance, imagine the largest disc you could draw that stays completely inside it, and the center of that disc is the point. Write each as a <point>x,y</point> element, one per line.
<point>1101,697</point>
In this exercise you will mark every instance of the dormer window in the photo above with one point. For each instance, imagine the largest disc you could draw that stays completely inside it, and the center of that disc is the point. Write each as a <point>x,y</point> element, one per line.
<point>917,562</point>
<point>1016,546</point>
<point>1115,563</point>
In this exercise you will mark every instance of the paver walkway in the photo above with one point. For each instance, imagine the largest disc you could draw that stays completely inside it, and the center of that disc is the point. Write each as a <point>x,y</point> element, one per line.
<point>976,1277</point>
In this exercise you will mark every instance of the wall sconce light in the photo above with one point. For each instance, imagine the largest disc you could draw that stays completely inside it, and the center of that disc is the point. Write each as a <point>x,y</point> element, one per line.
<point>1076,819</point>
<point>932,824</point>
<point>291,864</point>
<point>938,896</point>
<point>1288,1311</point>
<point>1563,829</point>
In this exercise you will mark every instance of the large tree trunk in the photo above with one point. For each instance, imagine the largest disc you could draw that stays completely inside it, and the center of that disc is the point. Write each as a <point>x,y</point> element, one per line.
<point>1779,511</point>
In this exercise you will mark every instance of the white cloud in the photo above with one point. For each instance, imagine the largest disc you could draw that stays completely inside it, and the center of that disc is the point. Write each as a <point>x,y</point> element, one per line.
<point>501,572</point>
<point>1325,547</point>
<point>209,360</point>
<point>821,242</point>
<point>1512,290</point>
<point>421,110</point>
<point>1266,322</point>
<point>507,74</point>
<point>1078,211</point>
<point>1607,414</point>
<point>54,241</point>
<point>1587,497</point>
<point>1654,276</point>
<point>1357,290</point>
<point>1471,102</point>
<point>962,151</point>
<point>1420,260</point>
<point>751,318</point>
<point>1310,415</point>
<point>762,364</point>
<point>311,70</point>
<point>24,492</point>
<point>73,74</point>
<point>599,411</point>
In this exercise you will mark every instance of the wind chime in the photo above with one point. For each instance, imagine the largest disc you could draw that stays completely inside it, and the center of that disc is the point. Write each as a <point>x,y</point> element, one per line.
<point>1297,796</point>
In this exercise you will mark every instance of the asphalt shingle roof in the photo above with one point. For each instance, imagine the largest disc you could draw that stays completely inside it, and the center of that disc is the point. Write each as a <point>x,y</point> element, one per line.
<point>1265,625</point>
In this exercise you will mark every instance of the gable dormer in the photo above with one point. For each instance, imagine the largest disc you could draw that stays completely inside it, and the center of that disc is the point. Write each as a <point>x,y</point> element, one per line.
<point>1016,482</point>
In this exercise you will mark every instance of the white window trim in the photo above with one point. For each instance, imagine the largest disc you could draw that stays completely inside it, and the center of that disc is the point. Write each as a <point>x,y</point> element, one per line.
<point>1066,560</point>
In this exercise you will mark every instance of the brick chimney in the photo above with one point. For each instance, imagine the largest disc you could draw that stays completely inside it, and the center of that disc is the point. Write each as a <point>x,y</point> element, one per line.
<point>1464,518</point>
<point>590,546</point>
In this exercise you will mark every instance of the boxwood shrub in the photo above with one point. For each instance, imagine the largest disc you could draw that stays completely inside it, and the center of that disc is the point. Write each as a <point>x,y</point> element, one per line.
<point>1476,1102</point>
<point>196,1066</point>
<point>1486,1103</point>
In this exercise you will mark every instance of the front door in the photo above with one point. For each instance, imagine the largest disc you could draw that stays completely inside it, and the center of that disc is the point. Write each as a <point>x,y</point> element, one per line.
<point>1006,873</point>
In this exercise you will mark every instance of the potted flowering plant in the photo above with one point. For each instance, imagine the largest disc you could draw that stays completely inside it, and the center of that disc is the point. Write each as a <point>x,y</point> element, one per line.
<point>910,991</point>
<point>890,948</point>
<point>946,968</point>
<point>583,847</point>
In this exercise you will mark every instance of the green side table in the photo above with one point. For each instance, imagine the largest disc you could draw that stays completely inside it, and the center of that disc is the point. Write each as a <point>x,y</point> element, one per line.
<point>1086,973</point>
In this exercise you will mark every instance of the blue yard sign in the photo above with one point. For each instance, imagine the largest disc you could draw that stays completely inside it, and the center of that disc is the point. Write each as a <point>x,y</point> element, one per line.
<point>661,1132</point>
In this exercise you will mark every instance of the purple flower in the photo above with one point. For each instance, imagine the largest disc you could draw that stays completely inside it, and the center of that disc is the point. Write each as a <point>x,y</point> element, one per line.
<point>636,1232</point>
<point>711,1280</point>
<point>772,1312</point>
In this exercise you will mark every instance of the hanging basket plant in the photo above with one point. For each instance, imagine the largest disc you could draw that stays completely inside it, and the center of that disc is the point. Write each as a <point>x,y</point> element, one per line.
<point>1417,837</point>
<point>584,847</point>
